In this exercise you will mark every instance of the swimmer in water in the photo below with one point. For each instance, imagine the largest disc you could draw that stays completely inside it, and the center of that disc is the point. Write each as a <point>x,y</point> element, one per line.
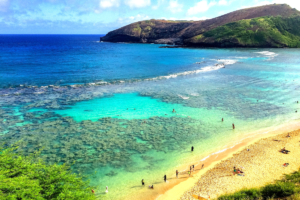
<point>233,126</point>
<point>106,189</point>
<point>192,149</point>
<point>93,191</point>
<point>222,120</point>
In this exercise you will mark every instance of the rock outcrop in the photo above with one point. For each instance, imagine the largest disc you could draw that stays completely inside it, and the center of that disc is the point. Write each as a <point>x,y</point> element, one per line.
<point>238,25</point>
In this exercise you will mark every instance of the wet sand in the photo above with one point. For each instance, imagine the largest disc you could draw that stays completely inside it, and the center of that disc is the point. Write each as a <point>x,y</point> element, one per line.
<point>262,165</point>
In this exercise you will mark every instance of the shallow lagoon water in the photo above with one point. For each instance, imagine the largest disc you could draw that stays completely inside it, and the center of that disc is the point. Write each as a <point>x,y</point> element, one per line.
<point>80,115</point>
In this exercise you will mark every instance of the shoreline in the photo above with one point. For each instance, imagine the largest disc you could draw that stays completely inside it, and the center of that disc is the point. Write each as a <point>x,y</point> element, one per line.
<point>175,188</point>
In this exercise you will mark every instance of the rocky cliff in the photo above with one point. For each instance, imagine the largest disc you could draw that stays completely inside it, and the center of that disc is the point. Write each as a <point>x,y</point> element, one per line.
<point>275,25</point>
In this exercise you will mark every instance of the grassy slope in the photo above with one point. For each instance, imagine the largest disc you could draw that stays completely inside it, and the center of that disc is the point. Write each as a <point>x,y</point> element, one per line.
<point>257,32</point>
<point>287,188</point>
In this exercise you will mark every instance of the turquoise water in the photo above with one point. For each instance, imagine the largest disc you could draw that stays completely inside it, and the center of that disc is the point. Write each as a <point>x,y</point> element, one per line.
<point>126,106</point>
<point>113,116</point>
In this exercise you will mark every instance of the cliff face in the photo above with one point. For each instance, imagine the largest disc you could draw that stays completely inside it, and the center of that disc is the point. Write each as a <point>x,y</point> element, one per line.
<point>147,31</point>
<point>232,29</point>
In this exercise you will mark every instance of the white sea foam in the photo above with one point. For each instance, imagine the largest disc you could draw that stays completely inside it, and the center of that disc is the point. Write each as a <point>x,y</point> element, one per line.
<point>38,92</point>
<point>183,97</point>
<point>195,94</point>
<point>220,151</point>
<point>220,64</point>
<point>204,158</point>
<point>267,53</point>
<point>242,57</point>
<point>227,62</point>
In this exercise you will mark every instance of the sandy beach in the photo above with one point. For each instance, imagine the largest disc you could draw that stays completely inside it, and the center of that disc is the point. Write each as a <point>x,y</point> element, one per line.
<point>262,164</point>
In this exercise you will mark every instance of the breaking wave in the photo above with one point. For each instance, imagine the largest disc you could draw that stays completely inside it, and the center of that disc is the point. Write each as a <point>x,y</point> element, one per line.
<point>267,53</point>
<point>219,65</point>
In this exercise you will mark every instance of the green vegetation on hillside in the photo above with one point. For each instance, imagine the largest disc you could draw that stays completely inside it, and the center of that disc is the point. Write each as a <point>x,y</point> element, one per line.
<point>261,31</point>
<point>27,177</point>
<point>287,188</point>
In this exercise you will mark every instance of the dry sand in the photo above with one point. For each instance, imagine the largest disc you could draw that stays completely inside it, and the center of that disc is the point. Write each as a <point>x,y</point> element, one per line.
<point>262,164</point>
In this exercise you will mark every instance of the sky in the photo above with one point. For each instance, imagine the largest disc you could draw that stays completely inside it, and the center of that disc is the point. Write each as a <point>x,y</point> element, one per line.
<point>102,16</point>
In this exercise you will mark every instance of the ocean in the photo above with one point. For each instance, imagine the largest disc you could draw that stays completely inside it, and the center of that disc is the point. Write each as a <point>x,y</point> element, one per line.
<point>106,109</point>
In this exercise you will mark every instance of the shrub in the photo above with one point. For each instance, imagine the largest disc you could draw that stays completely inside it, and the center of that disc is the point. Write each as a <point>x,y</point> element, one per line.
<point>279,189</point>
<point>294,177</point>
<point>27,177</point>
<point>243,194</point>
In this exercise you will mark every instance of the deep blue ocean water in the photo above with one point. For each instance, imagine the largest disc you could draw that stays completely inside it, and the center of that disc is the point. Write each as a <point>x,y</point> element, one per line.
<point>108,106</point>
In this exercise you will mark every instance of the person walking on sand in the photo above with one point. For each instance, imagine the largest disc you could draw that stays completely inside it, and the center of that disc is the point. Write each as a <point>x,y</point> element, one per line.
<point>189,172</point>
<point>193,168</point>
<point>202,166</point>
<point>177,173</point>
<point>192,148</point>
<point>143,182</point>
<point>233,126</point>
<point>165,178</point>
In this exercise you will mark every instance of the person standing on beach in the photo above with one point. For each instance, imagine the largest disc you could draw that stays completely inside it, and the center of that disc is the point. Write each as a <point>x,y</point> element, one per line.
<point>143,182</point>
<point>233,126</point>
<point>189,172</point>
<point>202,166</point>
<point>192,148</point>
<point>165,178</point>
<point>193,168</point>
<point>177,173</point>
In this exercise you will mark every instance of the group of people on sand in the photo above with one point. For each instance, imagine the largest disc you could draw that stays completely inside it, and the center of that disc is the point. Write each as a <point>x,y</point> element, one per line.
<point>238,172</point>
<point>284,151</point>
<point>150,186</point>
